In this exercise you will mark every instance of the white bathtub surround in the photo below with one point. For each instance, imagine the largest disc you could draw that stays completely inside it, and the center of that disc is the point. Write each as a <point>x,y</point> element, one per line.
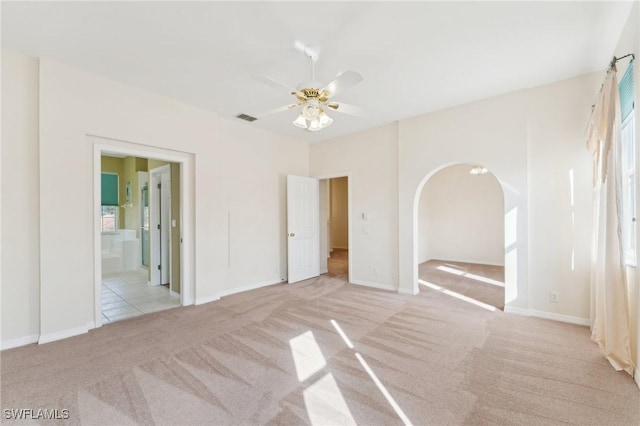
<point>120,251</point>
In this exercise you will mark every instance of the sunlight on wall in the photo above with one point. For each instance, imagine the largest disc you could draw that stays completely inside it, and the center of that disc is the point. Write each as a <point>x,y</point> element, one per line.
<point>571,187</point>
<point>511,255</point>
<point>457,295</point>
<point>573,221</point>
<point>510,228</point>
<point>307,355</point>
<point>325,403</point>
<point>511,275</point>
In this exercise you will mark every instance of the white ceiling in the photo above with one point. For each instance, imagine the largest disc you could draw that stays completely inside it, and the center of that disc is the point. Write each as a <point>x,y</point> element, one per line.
<point>415,57</point>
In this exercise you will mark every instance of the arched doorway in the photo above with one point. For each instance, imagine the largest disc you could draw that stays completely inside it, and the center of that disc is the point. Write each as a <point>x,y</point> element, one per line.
<point>460,234</point>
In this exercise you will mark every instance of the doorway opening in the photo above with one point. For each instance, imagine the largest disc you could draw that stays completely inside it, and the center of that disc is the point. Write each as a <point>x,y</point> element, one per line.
<point>334,226</point>
<point>140,262</point>
<point>461,245</point>
<point>124,243</point>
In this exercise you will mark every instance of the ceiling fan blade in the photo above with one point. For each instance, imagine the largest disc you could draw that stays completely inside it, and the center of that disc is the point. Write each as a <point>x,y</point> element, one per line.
<point>271,82</point>
<point>343,81</point>
<point>277,110</point>
<point>346,108</point>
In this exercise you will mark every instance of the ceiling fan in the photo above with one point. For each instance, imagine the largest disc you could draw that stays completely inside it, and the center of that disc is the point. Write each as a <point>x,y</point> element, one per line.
<point>315,99</point>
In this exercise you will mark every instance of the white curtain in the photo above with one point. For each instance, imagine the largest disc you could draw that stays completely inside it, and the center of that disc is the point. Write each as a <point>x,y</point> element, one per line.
<point>610,326</point>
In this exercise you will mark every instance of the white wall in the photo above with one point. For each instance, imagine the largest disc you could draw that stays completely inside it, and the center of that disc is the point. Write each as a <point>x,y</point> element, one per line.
<point>560,195</point>
<point>530,140</point>
<point>20,279</point>
<point>238,171</point>
<point>250,177</point>
<point>534,134</point>
<point>461,217</point>
<point>370,160</point>
<point>339,213</point>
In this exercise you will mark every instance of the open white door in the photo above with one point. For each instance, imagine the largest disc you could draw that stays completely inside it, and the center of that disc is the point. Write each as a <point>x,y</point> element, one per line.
<point>160,212</point>
<point>302,228</point>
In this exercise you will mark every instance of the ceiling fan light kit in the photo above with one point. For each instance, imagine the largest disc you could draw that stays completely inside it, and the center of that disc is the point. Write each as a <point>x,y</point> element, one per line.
<point>321,121</point>
<point>478,170</point>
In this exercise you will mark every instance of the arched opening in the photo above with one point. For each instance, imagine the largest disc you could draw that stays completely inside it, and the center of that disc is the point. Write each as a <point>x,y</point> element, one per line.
<point>460,247</point>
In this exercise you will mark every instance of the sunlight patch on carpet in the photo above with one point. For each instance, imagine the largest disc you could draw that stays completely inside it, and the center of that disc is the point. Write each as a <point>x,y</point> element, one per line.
<point>384,391</point>
<point>307,355</point>
<point>341,333</point>
<point>469,275</point>
<point>325,403</point>
<point>458,295</point>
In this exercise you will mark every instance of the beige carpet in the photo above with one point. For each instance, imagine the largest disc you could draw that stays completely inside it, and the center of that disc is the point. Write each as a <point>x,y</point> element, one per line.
<point>274,356</point>
<point>484,283</point>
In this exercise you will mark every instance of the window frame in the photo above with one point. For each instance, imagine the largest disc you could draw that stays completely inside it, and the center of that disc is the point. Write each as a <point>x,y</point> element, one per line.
<point>628,149</point>
<point>103,215</point>
<point>116,208</point>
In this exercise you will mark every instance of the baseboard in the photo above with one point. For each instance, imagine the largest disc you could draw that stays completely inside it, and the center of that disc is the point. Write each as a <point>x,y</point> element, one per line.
<point>410,292</point>
<point>249,287</point>
<point>207,299</point>
<point>517,311</point>
<point>547,315</point>
<point>374,285</point>
<point>20,341</point>
<point>637,377</point>
<point>225,293</point>
<point>173,293</point>
<point>59,335</point>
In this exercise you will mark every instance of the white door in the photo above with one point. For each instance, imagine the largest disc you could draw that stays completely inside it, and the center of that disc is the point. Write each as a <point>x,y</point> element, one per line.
<point>302,228</point>
<point>160,212</point>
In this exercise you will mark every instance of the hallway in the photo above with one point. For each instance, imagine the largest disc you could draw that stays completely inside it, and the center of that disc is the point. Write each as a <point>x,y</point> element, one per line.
<point>338,264</point>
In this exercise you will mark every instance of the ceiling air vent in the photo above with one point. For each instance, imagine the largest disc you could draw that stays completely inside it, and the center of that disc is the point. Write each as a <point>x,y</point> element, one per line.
<point>246,117</point>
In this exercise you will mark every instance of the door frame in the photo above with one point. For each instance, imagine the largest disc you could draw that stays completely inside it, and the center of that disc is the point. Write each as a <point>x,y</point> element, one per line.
<point>141,185</point>
<point>154,277</point>
<point>103,146</point>
<point>349,215</point>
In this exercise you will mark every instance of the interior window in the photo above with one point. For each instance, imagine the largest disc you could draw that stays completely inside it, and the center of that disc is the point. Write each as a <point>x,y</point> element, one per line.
<point>109,219</point>
<point>109,196</point>
<point>628,138</point>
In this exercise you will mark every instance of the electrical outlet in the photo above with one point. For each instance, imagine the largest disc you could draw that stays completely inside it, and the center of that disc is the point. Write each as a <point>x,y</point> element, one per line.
<point>553,297</point>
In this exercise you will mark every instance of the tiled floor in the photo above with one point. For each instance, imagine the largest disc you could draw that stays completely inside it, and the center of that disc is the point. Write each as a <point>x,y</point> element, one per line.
<point>126,295</point>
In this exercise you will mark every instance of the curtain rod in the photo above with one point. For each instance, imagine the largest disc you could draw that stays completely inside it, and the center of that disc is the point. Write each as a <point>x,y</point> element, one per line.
<point>611,65</point>
<point>614,60</point>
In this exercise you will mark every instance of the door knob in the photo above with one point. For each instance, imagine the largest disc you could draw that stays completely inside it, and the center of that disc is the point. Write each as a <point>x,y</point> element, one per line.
<point>291,234</point>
